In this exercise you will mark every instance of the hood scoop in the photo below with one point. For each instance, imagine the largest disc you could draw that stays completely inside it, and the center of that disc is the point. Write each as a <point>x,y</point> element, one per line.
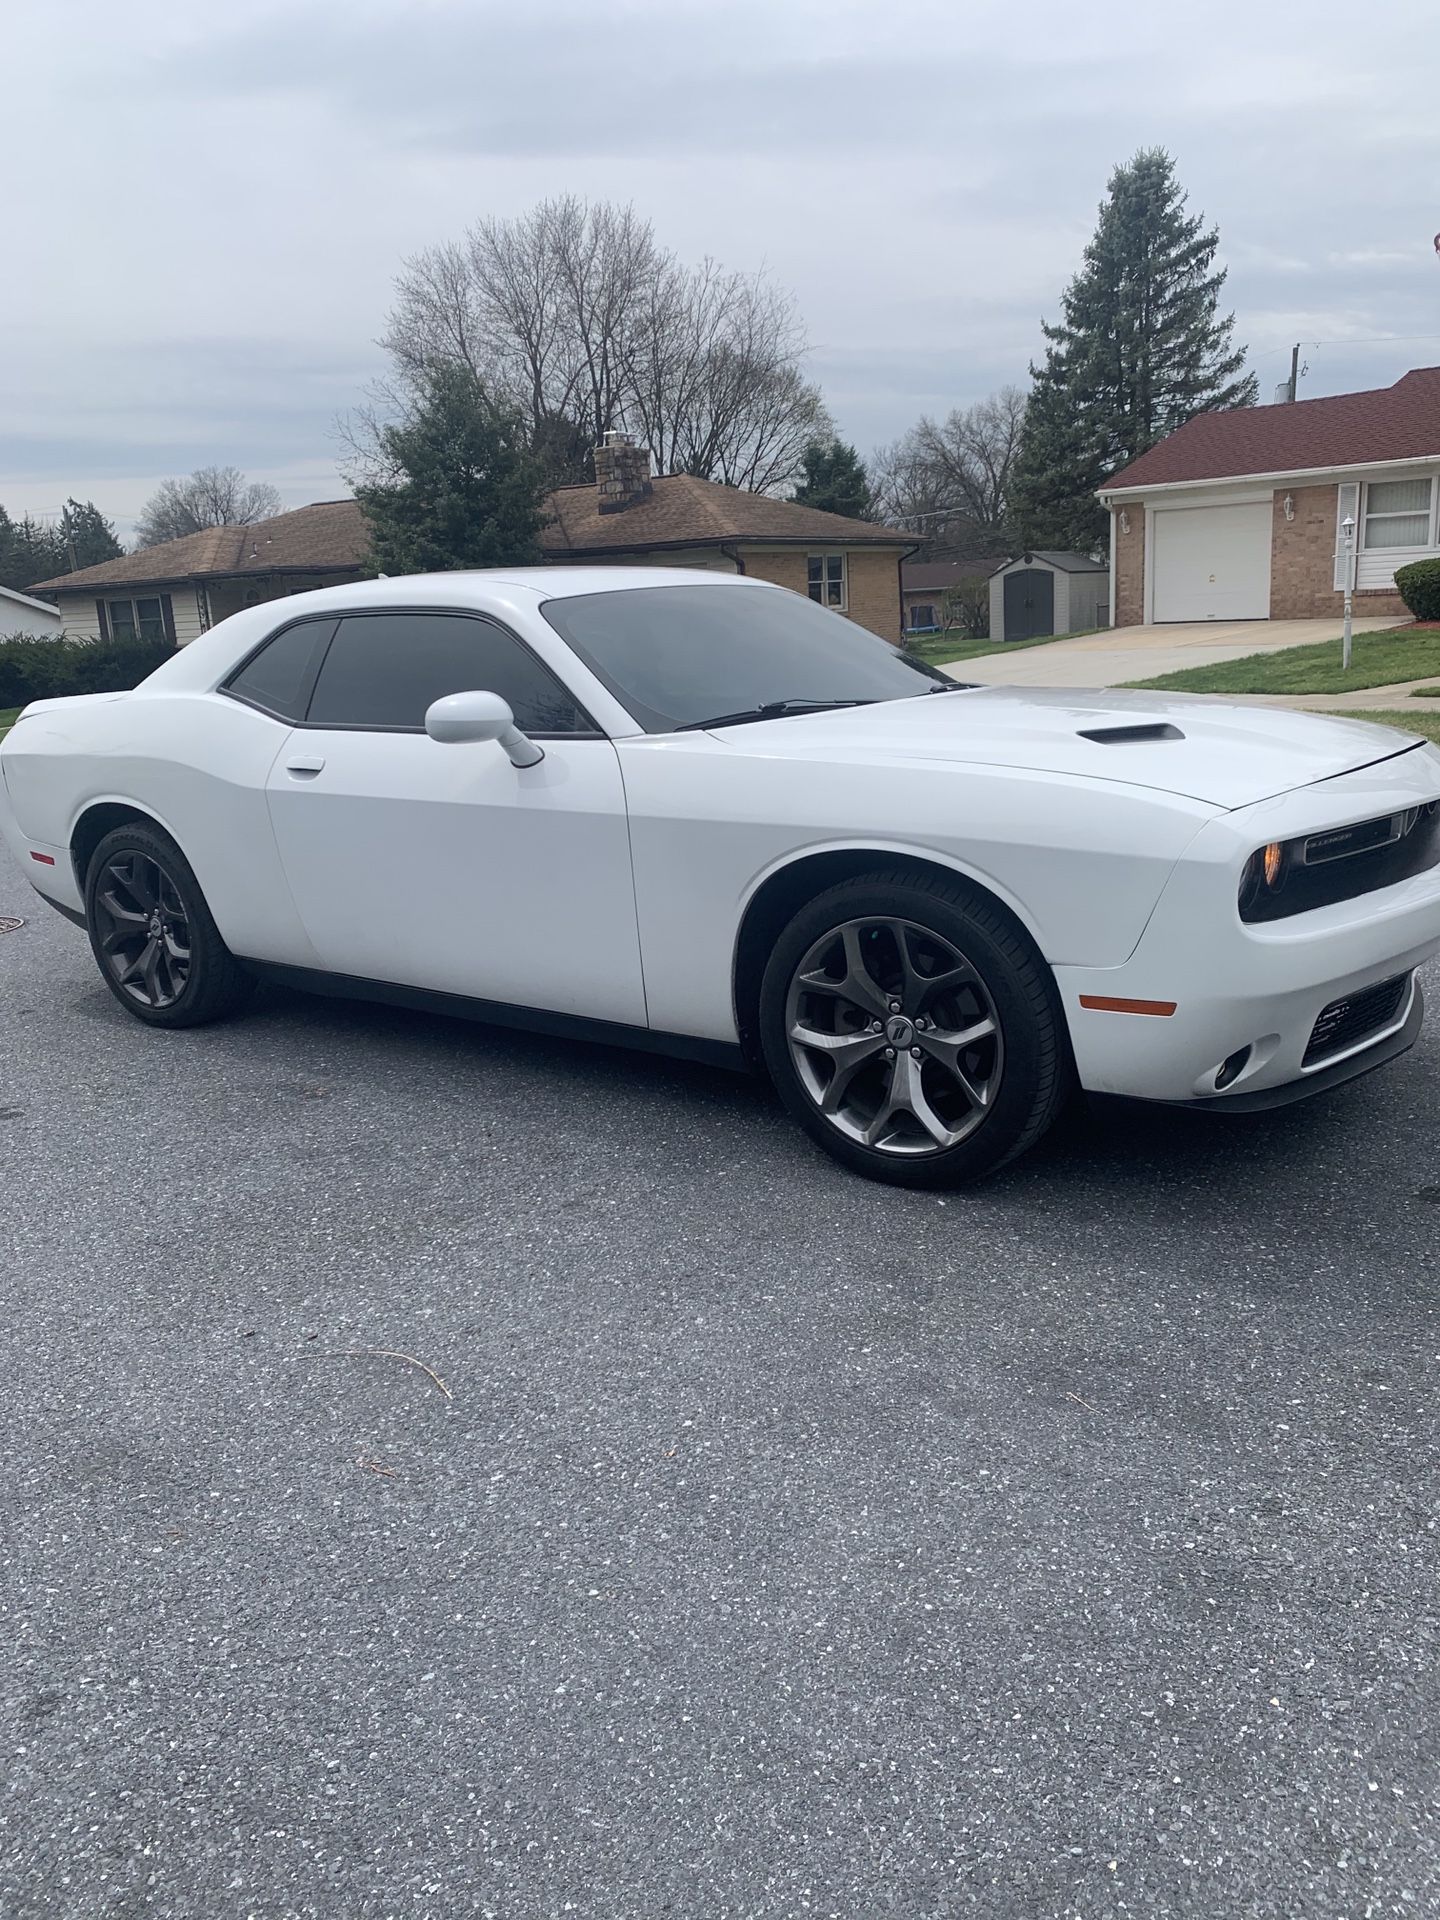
<point>1141,731</point>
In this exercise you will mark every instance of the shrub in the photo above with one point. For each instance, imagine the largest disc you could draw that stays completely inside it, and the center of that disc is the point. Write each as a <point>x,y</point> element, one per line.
<point>1419,587</point>
<point>32,669</point>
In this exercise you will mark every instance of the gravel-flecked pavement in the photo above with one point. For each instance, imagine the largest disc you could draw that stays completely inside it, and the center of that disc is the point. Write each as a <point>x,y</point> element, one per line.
<point>779,1544</point>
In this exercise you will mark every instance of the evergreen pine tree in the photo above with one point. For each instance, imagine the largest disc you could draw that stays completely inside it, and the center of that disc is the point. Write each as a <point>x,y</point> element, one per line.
<point>29,551</point>
<point>464,493</point>
<point>1142,347</point>
<point>85,536</point>
<point>835,481</point>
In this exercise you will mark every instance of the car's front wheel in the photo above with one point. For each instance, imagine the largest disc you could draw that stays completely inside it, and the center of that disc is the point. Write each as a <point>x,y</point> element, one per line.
<point>913,1029</point>
<point>152,933</point>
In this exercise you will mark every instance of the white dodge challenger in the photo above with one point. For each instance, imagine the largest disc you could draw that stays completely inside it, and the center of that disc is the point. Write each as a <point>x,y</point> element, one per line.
<point>705,815</point>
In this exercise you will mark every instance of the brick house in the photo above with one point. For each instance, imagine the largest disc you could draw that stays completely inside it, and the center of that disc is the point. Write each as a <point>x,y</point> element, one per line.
<point>183,587</point>
<point>1237,516</point>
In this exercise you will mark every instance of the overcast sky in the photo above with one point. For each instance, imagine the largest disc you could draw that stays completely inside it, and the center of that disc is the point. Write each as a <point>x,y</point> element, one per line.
<point>207,205</point>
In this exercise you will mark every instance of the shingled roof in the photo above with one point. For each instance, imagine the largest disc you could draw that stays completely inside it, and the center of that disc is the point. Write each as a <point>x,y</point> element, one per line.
<point>330,537</point>
<point>681,511</point>
<point>1347,430</point>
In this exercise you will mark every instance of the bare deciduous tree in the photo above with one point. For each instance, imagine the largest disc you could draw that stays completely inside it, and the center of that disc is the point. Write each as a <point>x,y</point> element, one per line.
<point>972,453</point>
<point>574,317</point>
<point>950,480</point>
<point>210,497</point>
<point>907,491</point>
<point>966,606</point>
<point>716,386</point>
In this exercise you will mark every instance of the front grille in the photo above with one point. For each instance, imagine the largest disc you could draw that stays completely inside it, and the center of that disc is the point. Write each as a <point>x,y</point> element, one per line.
<point>1345,1023</point>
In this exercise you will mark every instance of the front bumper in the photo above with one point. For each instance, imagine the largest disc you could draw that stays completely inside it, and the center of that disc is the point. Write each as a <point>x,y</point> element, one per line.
<point>1261,986</point>
<point>1323,1078</point>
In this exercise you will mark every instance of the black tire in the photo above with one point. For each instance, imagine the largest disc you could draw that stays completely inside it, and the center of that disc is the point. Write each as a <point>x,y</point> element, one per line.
<point>142,900</point>
<point>992,1100</point>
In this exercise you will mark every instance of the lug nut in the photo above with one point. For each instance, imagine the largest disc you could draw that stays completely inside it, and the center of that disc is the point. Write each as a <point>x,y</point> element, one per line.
<point>894,1006</point>
<point>889,1053</point>
<point>914,1053</point>
<point>874,1026</point>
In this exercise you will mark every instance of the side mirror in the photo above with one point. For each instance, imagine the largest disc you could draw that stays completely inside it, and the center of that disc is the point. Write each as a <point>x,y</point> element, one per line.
<point>462,717</point>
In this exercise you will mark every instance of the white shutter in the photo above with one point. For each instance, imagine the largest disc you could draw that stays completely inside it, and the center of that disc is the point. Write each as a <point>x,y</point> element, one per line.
<point>1347,501</point>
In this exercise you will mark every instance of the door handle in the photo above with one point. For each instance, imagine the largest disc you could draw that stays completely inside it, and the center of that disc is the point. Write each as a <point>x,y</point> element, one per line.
<point>305,769</point>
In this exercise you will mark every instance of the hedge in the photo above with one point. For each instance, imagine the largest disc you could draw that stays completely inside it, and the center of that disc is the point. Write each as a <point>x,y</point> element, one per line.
<point>1419,587</point>
<point>32,669</point>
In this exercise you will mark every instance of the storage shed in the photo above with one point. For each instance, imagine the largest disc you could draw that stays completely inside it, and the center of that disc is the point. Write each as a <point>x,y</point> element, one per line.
<point>1045,593</point>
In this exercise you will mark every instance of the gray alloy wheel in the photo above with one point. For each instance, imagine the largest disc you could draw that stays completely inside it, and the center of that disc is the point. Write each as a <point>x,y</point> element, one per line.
<point>153,935</point>
<point>142,930</point>
<point>895,1036</point>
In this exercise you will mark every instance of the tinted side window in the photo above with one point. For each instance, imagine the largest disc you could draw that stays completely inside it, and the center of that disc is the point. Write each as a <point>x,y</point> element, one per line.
<point>278,677</point>
<point>384,670</point>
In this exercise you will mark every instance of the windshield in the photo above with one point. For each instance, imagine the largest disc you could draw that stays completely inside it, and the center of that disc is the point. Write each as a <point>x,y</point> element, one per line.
<point>675,656</point>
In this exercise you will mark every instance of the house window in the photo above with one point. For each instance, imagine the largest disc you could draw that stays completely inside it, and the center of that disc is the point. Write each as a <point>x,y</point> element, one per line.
<point>1397,513</point>
<point>825,574</point>
<point>149,619</point>
<point>921,619</point>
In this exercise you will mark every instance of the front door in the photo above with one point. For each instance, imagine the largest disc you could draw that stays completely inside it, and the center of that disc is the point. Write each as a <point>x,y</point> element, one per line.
<point>445,867</point>
<point>1029,604</point>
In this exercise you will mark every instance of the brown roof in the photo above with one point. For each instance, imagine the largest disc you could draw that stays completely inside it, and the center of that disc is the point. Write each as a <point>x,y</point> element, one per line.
<point>328,537</point>
<point>681,511</point>
<point>1348,430</point>
<point>934,576</point>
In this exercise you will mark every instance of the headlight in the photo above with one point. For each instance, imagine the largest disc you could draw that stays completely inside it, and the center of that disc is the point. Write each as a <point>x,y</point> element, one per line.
<point>1264,873</point>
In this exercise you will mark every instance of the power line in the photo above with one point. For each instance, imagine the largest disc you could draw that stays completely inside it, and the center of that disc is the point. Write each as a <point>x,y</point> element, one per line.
<point>1342,340</point>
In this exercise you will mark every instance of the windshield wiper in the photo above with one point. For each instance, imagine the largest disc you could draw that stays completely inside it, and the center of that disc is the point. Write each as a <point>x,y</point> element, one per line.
<point>769,710</point>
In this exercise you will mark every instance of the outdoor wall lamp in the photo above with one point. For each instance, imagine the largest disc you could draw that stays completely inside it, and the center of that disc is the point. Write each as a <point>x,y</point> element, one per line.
<point>1124,521</point>
<point>1289,505</point>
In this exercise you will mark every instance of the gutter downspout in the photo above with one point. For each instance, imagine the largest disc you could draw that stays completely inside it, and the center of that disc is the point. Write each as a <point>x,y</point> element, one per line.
<point>1113,519</point>
<point>732,553</point>
<point>900,560</point>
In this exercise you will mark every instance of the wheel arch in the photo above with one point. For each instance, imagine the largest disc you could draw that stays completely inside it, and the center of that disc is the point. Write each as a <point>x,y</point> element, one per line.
<point>95,820</point>
<point>778,894</point>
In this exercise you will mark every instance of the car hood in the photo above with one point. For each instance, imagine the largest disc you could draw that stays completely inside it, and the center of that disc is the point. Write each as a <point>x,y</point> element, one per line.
<point>1228,756</point>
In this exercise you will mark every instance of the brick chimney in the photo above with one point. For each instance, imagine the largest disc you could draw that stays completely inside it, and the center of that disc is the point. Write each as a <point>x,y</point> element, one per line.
<point>622,472</point>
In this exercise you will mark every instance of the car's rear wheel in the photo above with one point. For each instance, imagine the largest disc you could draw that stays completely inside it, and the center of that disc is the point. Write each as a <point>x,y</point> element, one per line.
<point>913,1029</point>
<point>154,940</point>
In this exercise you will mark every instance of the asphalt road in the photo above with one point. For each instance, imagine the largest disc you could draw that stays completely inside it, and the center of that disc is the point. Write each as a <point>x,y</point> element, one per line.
<point>780,1545</point>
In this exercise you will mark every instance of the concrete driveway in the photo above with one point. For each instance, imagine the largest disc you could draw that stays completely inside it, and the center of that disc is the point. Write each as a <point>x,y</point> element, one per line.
<point>1139,653</point>
<point>779,1546</point>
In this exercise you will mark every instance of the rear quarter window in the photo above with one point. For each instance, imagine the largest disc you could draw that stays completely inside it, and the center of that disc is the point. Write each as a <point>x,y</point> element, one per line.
<point>278,676</point>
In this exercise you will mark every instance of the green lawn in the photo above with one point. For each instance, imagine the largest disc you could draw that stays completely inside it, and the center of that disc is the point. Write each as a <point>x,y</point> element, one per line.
<point>1377,660</point>
<point>1417,722</point>
<point>8,717</point>
<point>935,650</point>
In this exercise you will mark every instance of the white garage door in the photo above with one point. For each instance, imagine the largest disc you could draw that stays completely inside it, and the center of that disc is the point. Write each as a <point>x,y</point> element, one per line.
<point>1212,563</point>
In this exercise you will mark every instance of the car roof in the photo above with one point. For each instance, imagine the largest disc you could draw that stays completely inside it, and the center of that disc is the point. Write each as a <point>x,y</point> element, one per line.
<point>546,583</point>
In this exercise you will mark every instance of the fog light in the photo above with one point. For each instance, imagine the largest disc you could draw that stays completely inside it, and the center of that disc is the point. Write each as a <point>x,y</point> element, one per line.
<point>1231,1069</point>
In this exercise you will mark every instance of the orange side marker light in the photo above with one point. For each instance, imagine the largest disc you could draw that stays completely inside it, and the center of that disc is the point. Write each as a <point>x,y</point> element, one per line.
<point>1102,1003</point>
